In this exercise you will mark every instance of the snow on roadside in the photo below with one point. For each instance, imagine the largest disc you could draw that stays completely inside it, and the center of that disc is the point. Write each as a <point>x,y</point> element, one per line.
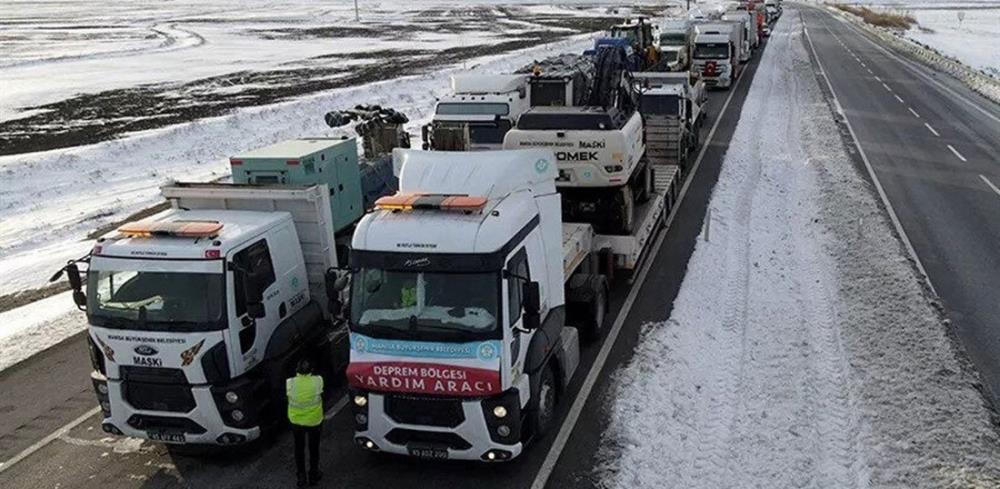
<point>38,326</point>
<point>801,350</point>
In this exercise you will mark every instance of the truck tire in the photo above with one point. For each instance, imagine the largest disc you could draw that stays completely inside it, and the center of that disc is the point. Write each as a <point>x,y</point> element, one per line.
<point>540,418</point>
<point>591,322</point>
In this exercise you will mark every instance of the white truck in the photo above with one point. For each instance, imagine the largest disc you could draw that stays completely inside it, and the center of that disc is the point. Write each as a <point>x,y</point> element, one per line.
<point>716,57</point>
<point>676,36</point>
<point>468,296</point>
<point>198,314</point>
<point>478,113</point>
<point>671,108</point>
<point>750,34</point>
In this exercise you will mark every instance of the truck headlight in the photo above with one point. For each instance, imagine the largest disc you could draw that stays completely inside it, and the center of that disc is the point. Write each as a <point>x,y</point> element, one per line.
<point>500,412</point>
<point>360,400</point>
<point>232,397</point>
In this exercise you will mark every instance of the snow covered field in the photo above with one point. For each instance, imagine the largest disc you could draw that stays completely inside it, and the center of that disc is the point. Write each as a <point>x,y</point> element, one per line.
<point>801,351</point>
<point>972,41</point>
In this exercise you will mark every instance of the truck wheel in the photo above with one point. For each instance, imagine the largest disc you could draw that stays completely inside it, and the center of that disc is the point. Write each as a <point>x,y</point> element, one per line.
<point>541,417</point>
<point>626,211</point>
<point>592,322</point>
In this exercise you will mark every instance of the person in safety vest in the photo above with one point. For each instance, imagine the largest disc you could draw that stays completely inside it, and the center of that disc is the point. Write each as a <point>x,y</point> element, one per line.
<point>305,412</point>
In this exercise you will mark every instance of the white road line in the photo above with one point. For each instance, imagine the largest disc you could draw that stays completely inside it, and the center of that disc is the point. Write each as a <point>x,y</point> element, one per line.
<point>871,171</point>
<point>869,70</point>
<point>863,65</point>
<point>886,87</point>
<point>931,129</point>
<point>897,98</point>
<point>917,69</point>
<point>959,155</point>
<point>878,79</point>
<point>48,439</point>
<point>555,451</point>
<point>337,406</point>
<point>915,114</point>
<point>988,182</point>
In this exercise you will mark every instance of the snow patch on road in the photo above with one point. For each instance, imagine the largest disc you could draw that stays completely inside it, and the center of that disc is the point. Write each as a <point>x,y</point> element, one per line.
<point>801,350</point>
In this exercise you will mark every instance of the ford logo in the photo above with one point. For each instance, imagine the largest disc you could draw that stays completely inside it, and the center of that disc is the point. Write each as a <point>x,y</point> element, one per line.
<point>146,350</point>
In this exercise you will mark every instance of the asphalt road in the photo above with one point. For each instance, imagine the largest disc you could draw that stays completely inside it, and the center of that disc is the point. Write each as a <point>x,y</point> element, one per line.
<point>52,389</point>
<point>934,146</point>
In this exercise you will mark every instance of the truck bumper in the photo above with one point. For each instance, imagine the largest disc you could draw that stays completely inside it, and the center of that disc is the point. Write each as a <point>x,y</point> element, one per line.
<point>468,437</point>
<point>201,425</point>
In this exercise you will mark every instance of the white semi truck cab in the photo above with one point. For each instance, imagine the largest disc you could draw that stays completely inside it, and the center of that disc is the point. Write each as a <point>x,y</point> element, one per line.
<point>198,314</point>
<point>716,53</point>
<point>461,289</point>
<point>478,113</point>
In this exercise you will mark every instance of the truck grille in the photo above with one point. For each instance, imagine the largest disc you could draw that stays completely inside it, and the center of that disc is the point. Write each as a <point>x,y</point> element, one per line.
<point>425,411</point>
<point>157,389</point>
<point>146,422</point>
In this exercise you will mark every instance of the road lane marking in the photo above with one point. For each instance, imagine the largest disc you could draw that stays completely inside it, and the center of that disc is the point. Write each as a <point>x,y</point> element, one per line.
<point>868,166</point>
<point>878,79</point>
<point>959,155</point>
<point>918,69</point>
<point>932,129</point>
<point>886,86</point>
<point>337,406</point>
<point>988,182</point>
<point>915,114</point>
<point>569,424</point>
<point>897,98</point>
<point>48,439</point>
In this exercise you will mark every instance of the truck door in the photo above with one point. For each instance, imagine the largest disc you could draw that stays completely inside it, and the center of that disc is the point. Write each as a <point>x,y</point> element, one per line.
<point>519,274</point>
<point>248,335</point>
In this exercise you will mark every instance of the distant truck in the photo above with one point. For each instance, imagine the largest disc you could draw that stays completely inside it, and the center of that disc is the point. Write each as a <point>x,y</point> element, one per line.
<point>477,113</point>
<point>676,37</point>
<point>559,81</point>
<point>750,35</point>
<point>716,57</point>
<point>672,113</point>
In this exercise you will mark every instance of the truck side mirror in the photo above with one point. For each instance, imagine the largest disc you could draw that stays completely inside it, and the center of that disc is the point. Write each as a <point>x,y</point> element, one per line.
<point>531,303</point>
<point>73,274</point>
<point>334,285</point>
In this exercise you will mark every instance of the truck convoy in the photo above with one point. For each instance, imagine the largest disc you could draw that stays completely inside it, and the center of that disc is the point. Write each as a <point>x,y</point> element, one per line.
<point>455,305</point>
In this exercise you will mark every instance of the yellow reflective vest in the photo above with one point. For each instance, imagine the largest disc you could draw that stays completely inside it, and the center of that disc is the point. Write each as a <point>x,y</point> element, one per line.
<point>305,399</point>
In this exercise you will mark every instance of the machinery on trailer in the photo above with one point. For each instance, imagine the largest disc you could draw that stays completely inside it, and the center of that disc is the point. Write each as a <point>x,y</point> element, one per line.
<point>559,81</point>
<point>602,172</point>
<point>642,39</point>
<point>478,113</point>
<point>671,107</point>
<point>468,299</point>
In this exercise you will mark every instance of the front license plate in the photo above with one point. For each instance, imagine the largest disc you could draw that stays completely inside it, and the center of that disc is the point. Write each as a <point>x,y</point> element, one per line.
<point>427,452</point>
<point>166,437</point>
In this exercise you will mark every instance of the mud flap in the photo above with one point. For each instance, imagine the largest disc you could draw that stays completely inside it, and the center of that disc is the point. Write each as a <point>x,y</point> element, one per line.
<point>568,355</point>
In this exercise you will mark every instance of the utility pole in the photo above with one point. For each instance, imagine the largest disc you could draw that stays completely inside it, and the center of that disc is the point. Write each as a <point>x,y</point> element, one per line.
<point>357,16</point>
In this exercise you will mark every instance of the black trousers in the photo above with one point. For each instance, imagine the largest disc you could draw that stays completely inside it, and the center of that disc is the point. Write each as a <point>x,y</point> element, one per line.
<point>312,433</point>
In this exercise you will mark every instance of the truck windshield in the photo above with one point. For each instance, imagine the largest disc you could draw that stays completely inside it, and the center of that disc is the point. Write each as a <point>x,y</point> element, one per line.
<point>429,304</point>
<point>568,121</point>
<point>156,301</point>
<point>711,51</point>
<point>625,33</point>
<point>660,104</point>
<point>673,38</point>
<point>454,108</point>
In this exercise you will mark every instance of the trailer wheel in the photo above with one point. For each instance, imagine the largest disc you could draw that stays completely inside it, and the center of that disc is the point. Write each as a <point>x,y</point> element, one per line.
<point>540,419</point>
<point>592,322</point>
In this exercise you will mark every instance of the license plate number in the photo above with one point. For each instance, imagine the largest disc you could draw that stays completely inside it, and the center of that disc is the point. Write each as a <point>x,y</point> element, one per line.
<point>428,452</point>
<point>166,437</point>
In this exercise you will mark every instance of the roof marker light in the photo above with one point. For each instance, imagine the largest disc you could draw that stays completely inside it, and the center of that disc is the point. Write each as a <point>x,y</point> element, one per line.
<point>213,254</point>
<point>177,229</point>
<point>409,202</point>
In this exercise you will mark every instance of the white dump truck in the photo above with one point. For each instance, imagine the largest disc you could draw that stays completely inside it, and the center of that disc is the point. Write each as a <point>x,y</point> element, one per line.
<point>716,56</point>
<point>468,296</point>
<point>477,113</point>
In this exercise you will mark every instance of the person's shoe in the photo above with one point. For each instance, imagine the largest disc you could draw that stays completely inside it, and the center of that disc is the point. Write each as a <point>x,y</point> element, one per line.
<point>302,480</point>
<point>315,477</point>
